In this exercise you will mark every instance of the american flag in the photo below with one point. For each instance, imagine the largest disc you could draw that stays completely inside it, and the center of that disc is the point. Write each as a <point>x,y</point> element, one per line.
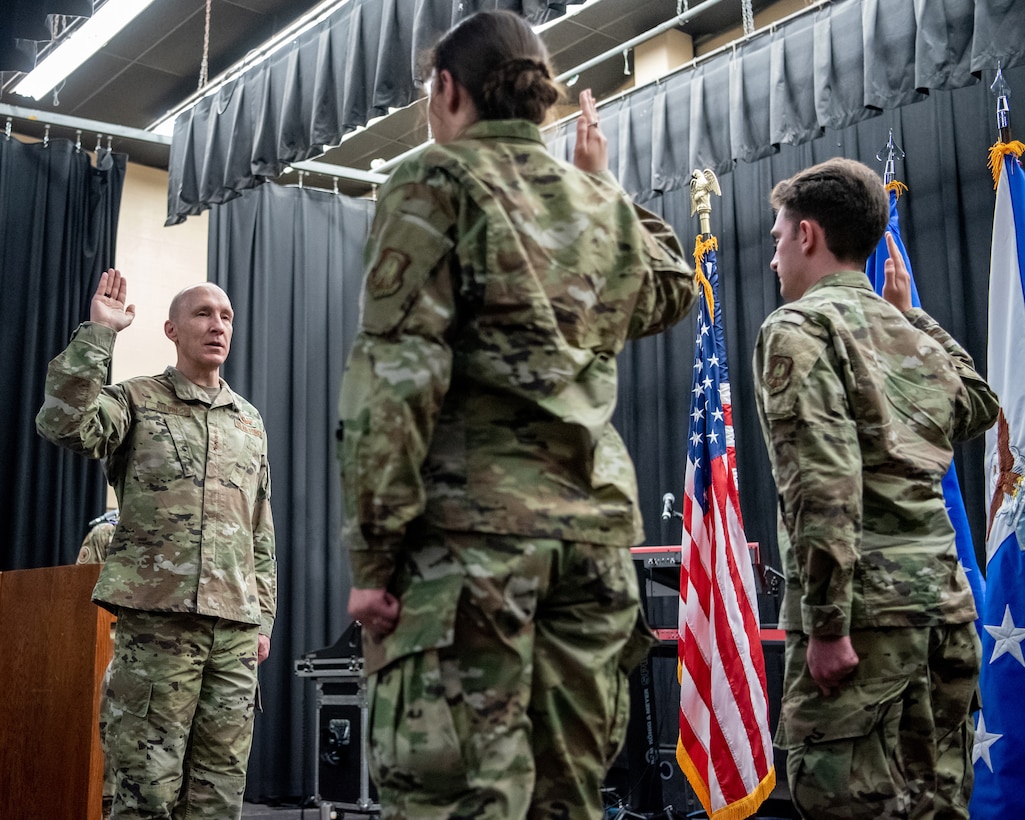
<point>725,746</point>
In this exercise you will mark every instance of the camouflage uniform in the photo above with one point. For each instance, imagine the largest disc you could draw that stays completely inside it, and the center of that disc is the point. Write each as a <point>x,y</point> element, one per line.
<point>190,573</point>
<point>94,551</point>
<point>859,407</point>
<point>483,481</point>
<point>95,544</point>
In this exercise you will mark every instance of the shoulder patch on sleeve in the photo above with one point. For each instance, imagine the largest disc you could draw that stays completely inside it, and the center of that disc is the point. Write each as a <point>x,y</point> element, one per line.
<point>408,239</point>
<point>777,376</point>
<point>790,344</point>
<point>386,276</point>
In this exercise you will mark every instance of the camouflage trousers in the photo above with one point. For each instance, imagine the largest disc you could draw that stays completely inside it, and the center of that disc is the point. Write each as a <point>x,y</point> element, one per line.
<point>518,704</point>
<point>896,741</point>
<point>179,715</point>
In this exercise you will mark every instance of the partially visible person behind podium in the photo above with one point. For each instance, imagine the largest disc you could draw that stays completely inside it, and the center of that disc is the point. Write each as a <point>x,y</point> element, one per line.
<point>489,502</point>
<point>191,572</point>
<point>97,541</point>
<point>94,550</point>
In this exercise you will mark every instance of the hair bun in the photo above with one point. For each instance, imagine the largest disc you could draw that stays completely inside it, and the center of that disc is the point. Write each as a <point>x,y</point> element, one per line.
<point>519,65</point>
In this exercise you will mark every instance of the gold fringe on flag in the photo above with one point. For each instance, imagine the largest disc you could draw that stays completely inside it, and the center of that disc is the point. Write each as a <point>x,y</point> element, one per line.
<point>703,243</point>
<point>897,186</point>
<point>997,153</point>
<point>738,810</point>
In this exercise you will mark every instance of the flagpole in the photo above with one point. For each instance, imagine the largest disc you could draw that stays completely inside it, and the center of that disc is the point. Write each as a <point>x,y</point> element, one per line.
<point>1005,145</point>
<point>1002,92</point>
<point>724,746</point>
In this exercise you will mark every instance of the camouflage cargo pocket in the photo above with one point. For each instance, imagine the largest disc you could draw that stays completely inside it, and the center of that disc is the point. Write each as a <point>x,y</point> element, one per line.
<point>845,751</point>
<point>413,738</point>
<point>412,730</point>
<point>129,693</point>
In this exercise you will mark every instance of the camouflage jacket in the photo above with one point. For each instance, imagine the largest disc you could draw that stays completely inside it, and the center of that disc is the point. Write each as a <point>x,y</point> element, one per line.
<point>501,284</point>
<point>859,407</point>
<point>193,487</point>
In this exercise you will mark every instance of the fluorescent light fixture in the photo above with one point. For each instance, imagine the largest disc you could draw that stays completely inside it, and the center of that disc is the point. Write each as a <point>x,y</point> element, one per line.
<point>83,42</point>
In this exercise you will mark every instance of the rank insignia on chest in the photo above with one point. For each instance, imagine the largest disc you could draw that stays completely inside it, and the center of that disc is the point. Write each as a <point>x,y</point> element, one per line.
<point>778,375</point>
<point>386,277</point>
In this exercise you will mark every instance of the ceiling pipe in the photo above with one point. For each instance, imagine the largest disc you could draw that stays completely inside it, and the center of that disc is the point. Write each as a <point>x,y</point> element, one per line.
<point>139,135</point>
<point>64,121</point>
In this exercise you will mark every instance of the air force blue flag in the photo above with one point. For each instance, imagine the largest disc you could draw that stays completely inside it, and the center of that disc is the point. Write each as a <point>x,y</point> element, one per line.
<point>999,752</point>
<point>951,488</point>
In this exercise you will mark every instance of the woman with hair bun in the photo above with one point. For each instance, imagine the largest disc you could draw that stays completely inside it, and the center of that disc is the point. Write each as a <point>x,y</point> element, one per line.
<point>489,503</point>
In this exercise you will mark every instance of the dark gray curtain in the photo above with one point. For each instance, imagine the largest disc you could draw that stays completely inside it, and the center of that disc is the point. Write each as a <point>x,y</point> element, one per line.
<point>827,69</point>
<point>58,225</point>
<point>350,68</point>
<point>946,220</point>
<point>291,261</point>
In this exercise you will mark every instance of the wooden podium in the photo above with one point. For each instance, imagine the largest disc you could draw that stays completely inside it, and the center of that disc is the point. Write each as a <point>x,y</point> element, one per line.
<point>54,648</point>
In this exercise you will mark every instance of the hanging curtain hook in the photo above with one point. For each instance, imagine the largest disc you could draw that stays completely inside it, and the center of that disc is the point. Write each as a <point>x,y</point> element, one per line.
<point>626,62</point>
<point>98,146</point>
<point>7,128</point>
<point>335,180</point>
<point>78,140</point>
<point>109,140</point>
<point>301,175</point>
<point>46,137</point>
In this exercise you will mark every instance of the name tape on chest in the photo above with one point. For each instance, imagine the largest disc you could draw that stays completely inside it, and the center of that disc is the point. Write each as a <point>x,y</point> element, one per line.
<point>248,425</point>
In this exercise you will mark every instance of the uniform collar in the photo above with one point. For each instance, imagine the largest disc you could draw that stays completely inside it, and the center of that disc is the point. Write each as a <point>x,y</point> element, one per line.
<point>503,129</point>
<point>842,279</point>
<point>187,390</point>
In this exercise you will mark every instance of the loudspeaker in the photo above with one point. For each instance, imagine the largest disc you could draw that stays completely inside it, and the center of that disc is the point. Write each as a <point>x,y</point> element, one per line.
<point>677,795</point>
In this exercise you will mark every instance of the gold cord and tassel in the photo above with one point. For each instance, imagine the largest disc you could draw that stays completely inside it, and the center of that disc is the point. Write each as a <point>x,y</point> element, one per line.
<point>997,153</point>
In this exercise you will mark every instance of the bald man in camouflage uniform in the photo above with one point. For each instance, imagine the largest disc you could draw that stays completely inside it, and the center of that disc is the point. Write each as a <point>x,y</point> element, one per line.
<point>489,503</point>
<point>860,399</point>
<point>190,572</point>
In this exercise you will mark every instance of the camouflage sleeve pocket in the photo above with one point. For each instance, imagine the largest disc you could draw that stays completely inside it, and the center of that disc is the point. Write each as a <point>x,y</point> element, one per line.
<point>403,253</point>
<point>790,356</point>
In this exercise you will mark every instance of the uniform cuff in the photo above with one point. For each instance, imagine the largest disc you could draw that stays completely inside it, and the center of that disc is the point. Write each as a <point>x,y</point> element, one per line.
<point>95,334</point>
<point>372,569</point>
<point>828,621</point>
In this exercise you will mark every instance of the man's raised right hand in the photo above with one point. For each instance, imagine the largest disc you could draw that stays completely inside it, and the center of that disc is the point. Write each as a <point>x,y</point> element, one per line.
<point>108,305</point>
